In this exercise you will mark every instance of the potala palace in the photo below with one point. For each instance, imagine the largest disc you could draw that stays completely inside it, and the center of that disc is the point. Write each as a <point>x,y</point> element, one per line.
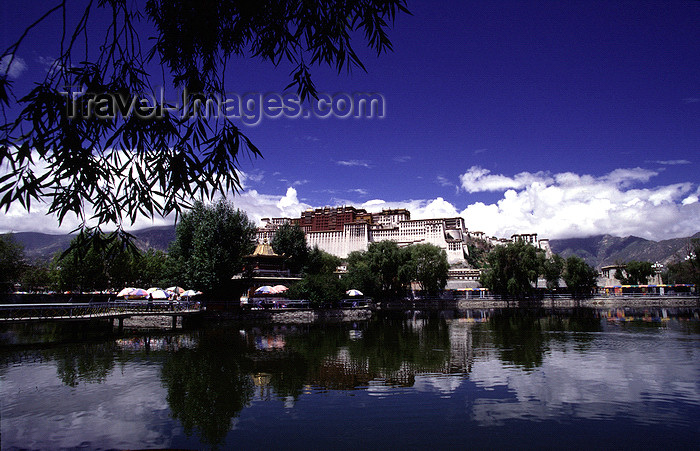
<point>342,230</point>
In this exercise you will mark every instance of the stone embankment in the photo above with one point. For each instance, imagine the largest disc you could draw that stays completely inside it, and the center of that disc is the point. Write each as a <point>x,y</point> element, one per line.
<point>152,322</point>
<point>274,316</point>
<point>594,302</point>
<point>294,316</point>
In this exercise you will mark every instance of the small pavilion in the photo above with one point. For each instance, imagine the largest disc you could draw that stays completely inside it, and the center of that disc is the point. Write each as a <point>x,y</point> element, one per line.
<point>265,262</point>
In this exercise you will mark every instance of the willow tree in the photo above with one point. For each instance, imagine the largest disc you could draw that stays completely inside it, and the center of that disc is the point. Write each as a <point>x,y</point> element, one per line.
<point>429,267</point>
<point>580,278</point>
<point>290,241</point>
<point>210,243</point>
<point>112,170</point>
<point>513,270</point>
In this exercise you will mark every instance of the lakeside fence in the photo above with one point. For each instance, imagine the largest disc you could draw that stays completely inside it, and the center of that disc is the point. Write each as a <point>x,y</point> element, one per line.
<point>97,310</point>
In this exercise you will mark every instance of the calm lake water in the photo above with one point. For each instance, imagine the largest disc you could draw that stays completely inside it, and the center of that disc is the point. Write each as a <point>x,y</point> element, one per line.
<point>480,379</point>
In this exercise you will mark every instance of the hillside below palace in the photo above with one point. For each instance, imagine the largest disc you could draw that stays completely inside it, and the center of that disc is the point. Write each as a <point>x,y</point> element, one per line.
<point>342,230</point>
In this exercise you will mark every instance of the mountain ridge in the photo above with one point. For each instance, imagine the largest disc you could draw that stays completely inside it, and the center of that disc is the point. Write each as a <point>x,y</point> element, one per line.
<point>602,250</point>
<point>43,246</point>
<point>597,250</point>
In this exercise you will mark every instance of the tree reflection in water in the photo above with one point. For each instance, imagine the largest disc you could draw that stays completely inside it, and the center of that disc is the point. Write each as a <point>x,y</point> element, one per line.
<point>213,374</point>
<point>211,384</point>
<point>522,337</point>
<point>207,386</point>
<point>85,363</point>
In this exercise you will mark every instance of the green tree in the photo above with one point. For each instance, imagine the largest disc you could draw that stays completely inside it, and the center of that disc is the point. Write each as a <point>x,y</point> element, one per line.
<point>551,270</point>
<point>129,165</point>
<point>637,273</point>
<point>579,276</point>
<point>210,243</point>
<point>513,269</point>
<point>428,266</point>
<point>382,271</point>
<point>687,270</point>
<point>360,276</point>
<point>320,284</point>
<point>153,269</point>
<point>96,263</point>
<point>321,262</point>
<point>319,289</point>
<point>11,261</point>
<point>39,276</point>
<point>290,241</point>
<point>477,250</point>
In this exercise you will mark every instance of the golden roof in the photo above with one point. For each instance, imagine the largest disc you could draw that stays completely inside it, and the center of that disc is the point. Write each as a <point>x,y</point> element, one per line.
<point>264,249</point>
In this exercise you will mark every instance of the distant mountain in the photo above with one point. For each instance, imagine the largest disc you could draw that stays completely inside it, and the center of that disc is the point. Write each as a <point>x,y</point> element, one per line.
<point>604,250</point>
<point>158,238</point>
<point>43,246</point>
<point>597,250</point>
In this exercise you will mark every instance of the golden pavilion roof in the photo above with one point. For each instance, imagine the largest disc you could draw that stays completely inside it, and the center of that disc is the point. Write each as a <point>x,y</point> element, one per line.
<point>264,249</point>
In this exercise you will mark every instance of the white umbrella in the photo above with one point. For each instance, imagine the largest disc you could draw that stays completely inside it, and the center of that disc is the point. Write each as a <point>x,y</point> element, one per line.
<point>136,293</point>
<point>125,292</point>
<point>353,293</point>
<point>279,289</point>
<point>159,294</point>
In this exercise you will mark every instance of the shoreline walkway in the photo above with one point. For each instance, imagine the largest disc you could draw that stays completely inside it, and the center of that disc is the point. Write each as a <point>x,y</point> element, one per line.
<point>23,313</point>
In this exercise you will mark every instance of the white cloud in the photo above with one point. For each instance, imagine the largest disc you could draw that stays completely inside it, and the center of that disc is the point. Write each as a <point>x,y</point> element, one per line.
<point>258,205</point>
<point>255,176</point>
<point>478,179</point>
<point>444,181</point>
<point>690,200</point>
<point>672,162</point>
<point>573,383</point>
<point>568,205</point>
<point>626,177</point>
<point>438,208</point>
<point>351,163</point>
<point>255,204</point>
<point>559,205</point>
<point>693,198</point>
<point>17,67</point>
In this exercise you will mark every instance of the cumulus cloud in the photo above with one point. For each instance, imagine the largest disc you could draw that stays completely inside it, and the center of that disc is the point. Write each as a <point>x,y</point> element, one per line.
<point>571,205</point>
<point>37,219</point>
<point>561,205</point>
<point>17,66</point>
<point>478,179</point>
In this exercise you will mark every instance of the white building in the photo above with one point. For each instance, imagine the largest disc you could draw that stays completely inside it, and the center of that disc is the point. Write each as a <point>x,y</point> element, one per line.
<point>346,236</point>
<point>394,225</point>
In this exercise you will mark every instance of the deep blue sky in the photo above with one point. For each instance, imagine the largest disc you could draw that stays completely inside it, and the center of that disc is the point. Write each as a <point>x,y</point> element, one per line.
<point>486,96</point>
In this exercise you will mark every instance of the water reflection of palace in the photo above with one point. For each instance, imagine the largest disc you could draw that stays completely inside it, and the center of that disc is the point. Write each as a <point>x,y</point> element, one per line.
<point>421,347</point>
<point>435,347</point>
<point>156,343</point>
